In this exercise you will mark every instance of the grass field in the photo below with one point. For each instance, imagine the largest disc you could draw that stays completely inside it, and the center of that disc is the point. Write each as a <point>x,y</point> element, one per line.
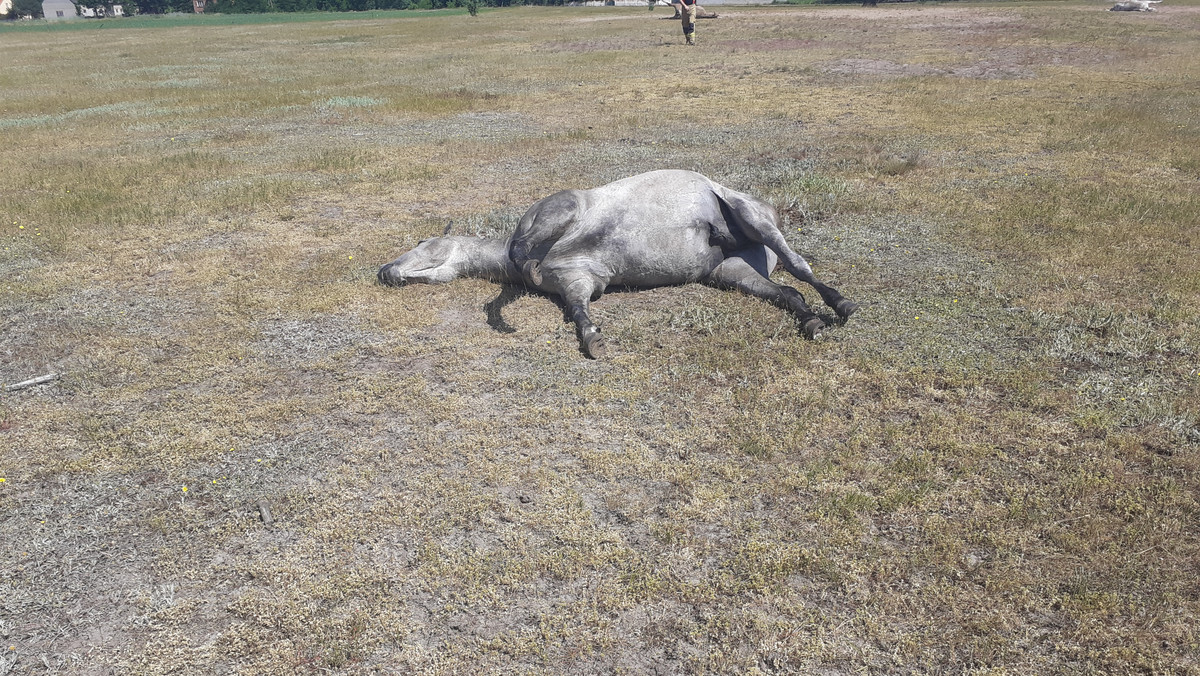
<point>258,461</point>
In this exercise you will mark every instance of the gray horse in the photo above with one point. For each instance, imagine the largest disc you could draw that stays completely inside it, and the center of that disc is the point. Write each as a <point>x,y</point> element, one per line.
<point>1135,6</point>
<point>653,229</point>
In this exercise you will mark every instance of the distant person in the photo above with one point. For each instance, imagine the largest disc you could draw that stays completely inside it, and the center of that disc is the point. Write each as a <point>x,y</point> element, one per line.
<point>688,14</point>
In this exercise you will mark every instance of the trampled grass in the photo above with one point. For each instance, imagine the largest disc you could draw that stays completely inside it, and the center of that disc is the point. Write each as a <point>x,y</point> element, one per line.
<point>992,468</point>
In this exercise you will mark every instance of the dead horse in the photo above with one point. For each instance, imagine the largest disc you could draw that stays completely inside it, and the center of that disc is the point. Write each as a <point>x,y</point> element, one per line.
<point>654,229</point>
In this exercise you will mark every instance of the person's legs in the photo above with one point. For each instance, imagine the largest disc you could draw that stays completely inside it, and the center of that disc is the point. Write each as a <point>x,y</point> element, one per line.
<point>689,23</point>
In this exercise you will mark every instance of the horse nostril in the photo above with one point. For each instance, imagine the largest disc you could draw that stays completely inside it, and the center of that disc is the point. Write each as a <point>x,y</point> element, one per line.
<point>389,277</point>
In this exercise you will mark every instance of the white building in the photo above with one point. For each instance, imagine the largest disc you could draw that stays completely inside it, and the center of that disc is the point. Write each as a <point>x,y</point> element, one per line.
<point>58,10</point>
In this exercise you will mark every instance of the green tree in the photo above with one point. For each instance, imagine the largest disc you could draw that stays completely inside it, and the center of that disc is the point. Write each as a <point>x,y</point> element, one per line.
<point>247,6</point>
<point>158,6</point>
<point>22,8</point>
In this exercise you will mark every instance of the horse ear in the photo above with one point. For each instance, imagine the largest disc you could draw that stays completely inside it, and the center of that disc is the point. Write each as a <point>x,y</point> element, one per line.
<point>447,230</point>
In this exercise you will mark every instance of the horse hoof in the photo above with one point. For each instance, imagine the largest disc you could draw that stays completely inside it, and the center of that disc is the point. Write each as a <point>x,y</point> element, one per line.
<point>845,308</point>
<point>533,270</point>
<point>813,327</point>
<point>594,346</point>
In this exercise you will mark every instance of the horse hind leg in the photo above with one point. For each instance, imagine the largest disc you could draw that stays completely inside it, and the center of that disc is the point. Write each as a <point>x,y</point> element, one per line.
<point>736,273</point>
<point>758,222</point>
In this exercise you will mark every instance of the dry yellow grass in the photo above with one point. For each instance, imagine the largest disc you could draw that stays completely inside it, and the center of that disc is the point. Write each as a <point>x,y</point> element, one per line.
<point>992,469</point>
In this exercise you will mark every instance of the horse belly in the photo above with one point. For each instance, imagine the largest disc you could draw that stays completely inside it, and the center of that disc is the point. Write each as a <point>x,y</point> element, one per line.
<point>661,257</point>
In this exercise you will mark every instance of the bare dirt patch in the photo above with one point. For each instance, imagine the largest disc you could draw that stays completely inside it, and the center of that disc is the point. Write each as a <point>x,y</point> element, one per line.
<point>879,67</point>
<point>766,45</point>
<point>991,70</point>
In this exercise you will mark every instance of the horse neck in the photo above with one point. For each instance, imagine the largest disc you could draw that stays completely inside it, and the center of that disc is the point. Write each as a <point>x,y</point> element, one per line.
<point>487,258</point>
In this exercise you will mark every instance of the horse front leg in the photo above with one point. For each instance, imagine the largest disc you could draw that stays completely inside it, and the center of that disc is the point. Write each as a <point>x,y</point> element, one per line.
<point>577,293</point>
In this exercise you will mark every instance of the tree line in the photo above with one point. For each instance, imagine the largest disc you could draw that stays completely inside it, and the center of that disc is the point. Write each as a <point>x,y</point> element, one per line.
<point>131,7</point>
<point>263,6</point>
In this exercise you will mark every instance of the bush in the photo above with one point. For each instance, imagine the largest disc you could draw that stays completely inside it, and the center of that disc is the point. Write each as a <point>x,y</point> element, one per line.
<point>22,8</point>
